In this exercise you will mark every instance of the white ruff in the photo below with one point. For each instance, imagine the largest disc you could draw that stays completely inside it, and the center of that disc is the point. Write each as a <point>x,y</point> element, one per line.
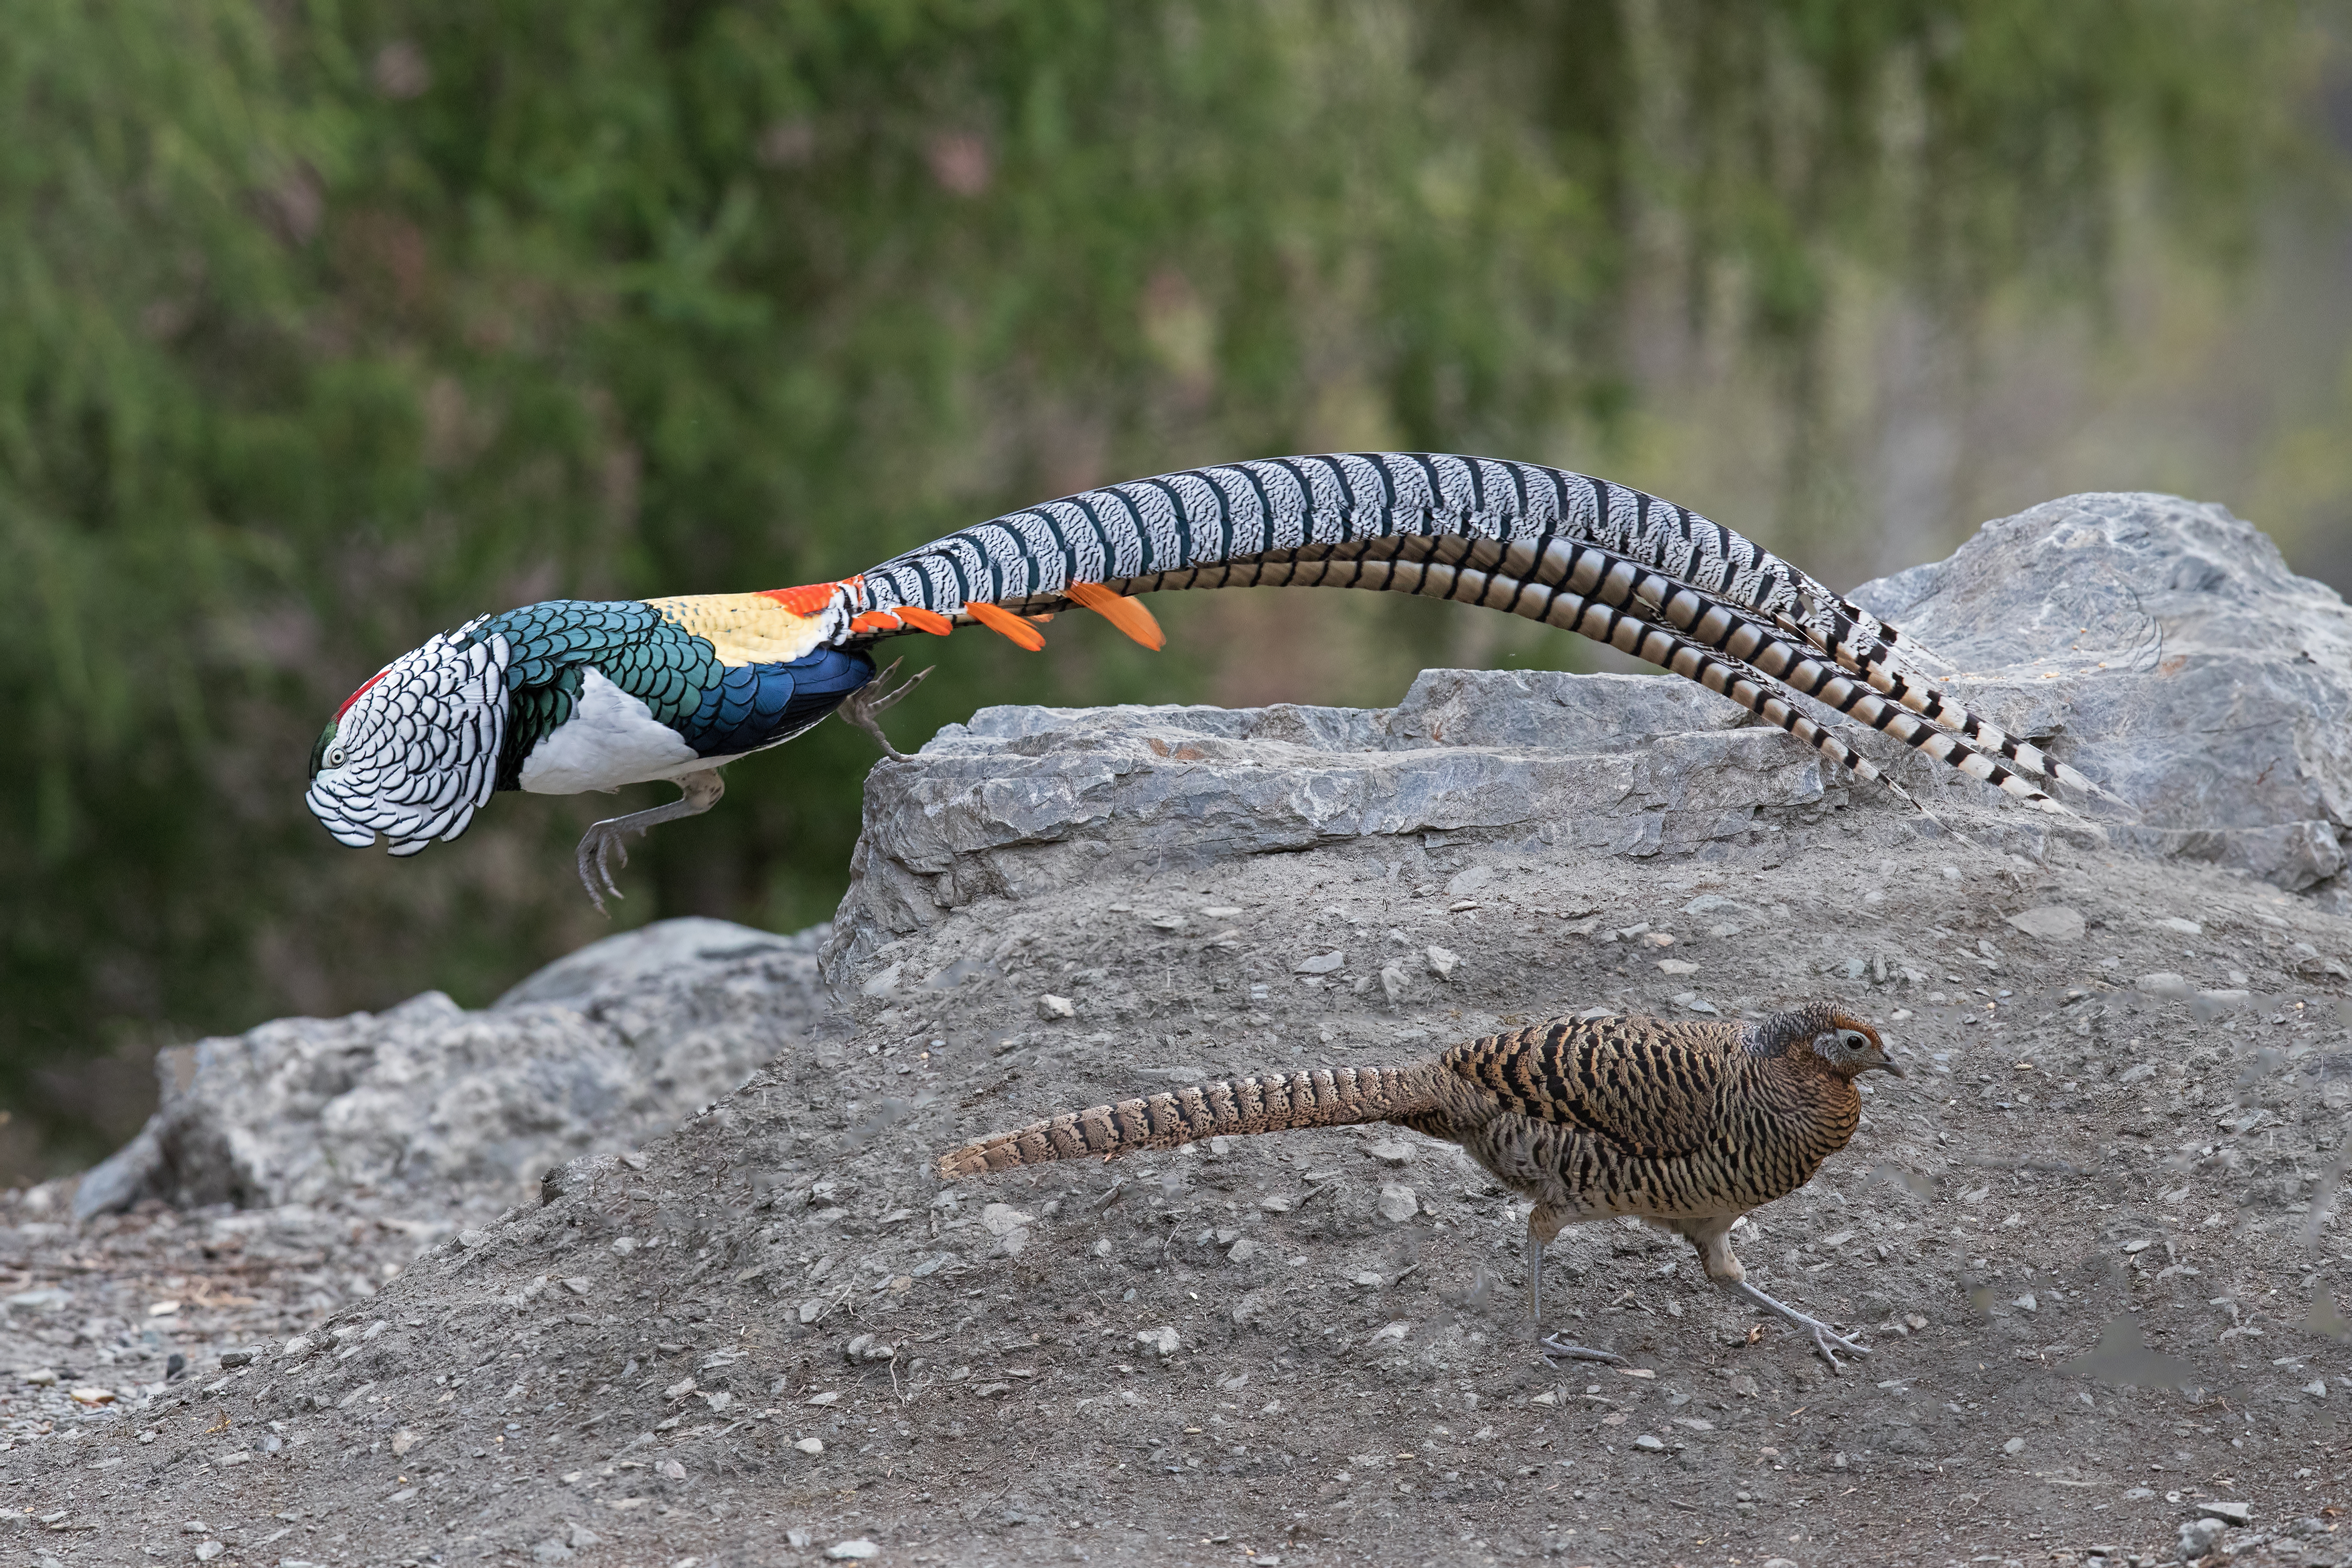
<point>611,739</point>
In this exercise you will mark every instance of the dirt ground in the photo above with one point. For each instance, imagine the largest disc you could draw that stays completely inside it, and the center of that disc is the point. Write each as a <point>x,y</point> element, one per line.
<point>2089,1241</point>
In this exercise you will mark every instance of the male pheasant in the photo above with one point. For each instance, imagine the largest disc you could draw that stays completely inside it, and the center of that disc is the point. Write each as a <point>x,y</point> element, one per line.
<point>1685,1125</point>
<point>574,695</point>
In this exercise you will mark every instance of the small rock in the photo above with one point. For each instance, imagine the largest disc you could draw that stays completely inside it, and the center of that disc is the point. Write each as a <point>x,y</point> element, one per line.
<point>1676,966</point>
<point>881,983</point>
<point>1392,980</point>
<point>1275,1205</point>
<point>1648,1444</point>
<point>193,1526</point>
<point>811,1446</point>
<point>869,1347</point>
<point>2163,984</point>
<point>42,1377</point>
<point>162,1309</point>
<point>2186,928</point>
<point>580,1535</point>
<point>208,1550</point>
<point>2198,1537</point>
<point>1442,961</point>
<point>1320,964</point>
<point>92,1396</point>
<point>578,1286</point>
<point>1392,1154</point>
<point>2051,922</point>
<point>1784,1561</point>
<point>472,1238</point>
<point>671,1469</point>
<point>2228,1511</point>
<point>2014,1446</point>
<point>548,1550</point>
<point>2316,1388</point>
<point>680,1390</point>
<point>1242,1250</point>
<point>717,1401</point>
<point>798,1537</point>
<point>2026,1303</point>
<point>299,1345</point>
<point>856,1550</point>
<point>1396,1204</point>
<point>402,1441</point>
<point>1003,1220</point>
<point>1052,1007</point>
<point>1161,1341</point>
<point>236,1358</point>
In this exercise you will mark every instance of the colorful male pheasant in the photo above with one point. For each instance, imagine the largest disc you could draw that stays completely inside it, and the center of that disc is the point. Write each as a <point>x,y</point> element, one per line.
<point>574,695</point>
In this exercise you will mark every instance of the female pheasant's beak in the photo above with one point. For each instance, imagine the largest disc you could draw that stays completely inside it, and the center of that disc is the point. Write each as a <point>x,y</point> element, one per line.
<point>1877,1057</point>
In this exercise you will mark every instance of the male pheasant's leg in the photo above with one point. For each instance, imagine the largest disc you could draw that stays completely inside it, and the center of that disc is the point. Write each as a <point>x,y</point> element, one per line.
<point>1540,1231</point>
<point>1712,1237</point>
<point>604,839</point>
<point>860,706</point>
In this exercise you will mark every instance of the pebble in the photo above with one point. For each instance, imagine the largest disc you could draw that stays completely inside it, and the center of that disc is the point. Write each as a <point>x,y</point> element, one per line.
<point>577,1286</point>
<point>2163,984</point>
<point>92,1396</point>
<point>208,1550</point>
<point>1442,961</point>
<point>404,1440</point>
<point>869,1347</point>
<point>42,1377</point>
<point>2051,922</point>
<point>2026,1303</point>
<point>1242,1250</point>
<point>2198,1537</point>
<point>671,1469</point>
<point>1676,966</point>
<point>2227,1512</point>
<point>856,1550</point>
<point>1161,1341</point>
<point>811,1446</point>
<point>680,1390</point>
<point>1392,1154</point>
<point>1322,964</point>
<point>1052,1007</point>
<point>635,1162</point>
<point>1396,1204</point>
<point>2316,1388</point>
<point>2014,1446</point>
<point>299,1345</point>
<point>1649,1444</point>
<point>236,1358</point>
<point>2186,928</point>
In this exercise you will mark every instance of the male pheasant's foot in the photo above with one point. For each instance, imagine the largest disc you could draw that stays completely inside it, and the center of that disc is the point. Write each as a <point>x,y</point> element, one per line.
<point>861,707</point>
<point>606,840</point>
<point>1827,1341</point>
<point>1553,1345</point>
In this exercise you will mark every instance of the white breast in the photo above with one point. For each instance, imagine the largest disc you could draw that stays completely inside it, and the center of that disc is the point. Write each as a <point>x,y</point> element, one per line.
<point>611,739</point>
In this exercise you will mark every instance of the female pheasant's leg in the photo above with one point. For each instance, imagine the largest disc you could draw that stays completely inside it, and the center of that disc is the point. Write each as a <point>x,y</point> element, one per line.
<point>1540,1231</point>
<point>1826,1339</point>
<point>604,839</point>
<point>1711,1235</point>
<point>860,706</point>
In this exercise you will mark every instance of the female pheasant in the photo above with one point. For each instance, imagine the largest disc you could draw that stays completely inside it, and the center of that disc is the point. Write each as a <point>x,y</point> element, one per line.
<point>573,695</point>
<point>1686,1125</point>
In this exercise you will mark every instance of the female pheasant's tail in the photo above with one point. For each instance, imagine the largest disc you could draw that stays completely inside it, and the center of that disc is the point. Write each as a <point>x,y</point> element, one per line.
<point>1337,1097</point>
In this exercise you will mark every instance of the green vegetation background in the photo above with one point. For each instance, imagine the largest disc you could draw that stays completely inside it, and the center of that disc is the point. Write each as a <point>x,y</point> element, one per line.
<point>325,324</point>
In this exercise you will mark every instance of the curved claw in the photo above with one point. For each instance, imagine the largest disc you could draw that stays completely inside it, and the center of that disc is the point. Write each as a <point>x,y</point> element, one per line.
<point>1824,1337</point>
<point>1553,1345</point>
<point>597,845</point>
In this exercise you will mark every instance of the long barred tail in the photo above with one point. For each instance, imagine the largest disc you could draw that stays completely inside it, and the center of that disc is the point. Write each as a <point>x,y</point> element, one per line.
<point>1538,541</point>
<point>1337,1097</point>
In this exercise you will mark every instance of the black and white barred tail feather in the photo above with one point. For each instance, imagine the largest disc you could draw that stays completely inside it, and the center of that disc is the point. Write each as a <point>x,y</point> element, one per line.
<point>1670,586</point>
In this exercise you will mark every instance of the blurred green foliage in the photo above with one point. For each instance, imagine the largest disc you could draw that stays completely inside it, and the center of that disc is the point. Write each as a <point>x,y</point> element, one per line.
<point>325,324</point>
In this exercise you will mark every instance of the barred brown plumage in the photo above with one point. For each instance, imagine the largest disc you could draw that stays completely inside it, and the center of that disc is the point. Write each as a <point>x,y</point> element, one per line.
<point>1688,1125</point>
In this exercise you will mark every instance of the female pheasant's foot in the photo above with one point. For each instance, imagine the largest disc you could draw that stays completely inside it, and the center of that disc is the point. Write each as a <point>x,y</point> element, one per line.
<point>1827,1340</point>
<point>606,839</point>
<point>1553,1345</point>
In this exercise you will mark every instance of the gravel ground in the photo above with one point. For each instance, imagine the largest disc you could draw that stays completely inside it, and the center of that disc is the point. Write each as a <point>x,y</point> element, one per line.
<point>2089,1240</point>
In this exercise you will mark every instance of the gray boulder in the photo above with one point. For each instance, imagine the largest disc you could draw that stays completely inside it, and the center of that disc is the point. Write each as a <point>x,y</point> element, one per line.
<point>2166,650</point>
<point>598,1051</point>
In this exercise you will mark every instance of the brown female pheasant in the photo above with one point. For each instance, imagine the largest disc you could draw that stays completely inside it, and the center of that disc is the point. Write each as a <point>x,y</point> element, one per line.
<point>1685,1125</point>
